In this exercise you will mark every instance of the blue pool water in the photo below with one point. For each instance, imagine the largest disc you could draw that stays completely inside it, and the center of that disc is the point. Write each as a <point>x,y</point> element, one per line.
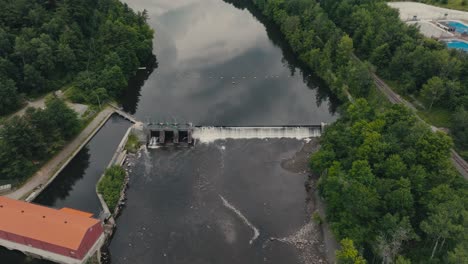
<point>458,45</point>
<point>459,27</point>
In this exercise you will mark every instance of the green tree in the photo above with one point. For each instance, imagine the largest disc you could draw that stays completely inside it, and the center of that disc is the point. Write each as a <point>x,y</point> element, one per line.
<point>445,219</point>
<point>381,56</point>
<point>348,253</point>
<point>432,91</point>
<point>113,80</point>
<point>344,51</point>
<point>9,95</point>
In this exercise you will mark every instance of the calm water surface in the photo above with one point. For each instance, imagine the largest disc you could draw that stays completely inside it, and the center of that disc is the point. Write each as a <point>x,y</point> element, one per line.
<point>73,187</point>
<point>218,65</point>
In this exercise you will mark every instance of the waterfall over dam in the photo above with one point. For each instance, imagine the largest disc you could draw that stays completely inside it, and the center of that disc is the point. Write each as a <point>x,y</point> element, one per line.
<point>163,133</point>
<point>210,134</point>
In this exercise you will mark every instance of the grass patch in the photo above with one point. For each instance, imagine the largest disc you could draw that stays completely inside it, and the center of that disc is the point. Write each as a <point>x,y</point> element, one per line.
<point>436,116</point>
<point>111,185</point>
<point>463,154</point>
<point>133,144</point>
<point>317,218</point>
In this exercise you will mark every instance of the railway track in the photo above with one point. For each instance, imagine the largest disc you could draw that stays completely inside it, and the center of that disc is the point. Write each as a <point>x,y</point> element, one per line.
<point>394,98</point>
<point>460,162</point>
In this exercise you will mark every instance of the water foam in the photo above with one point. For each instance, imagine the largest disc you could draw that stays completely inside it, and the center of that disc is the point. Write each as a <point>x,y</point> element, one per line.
<point>210,134</point>
<point>242,217</point>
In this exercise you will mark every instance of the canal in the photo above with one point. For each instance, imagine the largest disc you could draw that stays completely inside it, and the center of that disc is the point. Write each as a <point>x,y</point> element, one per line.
<point>230,201</point>
<point>74,187</point>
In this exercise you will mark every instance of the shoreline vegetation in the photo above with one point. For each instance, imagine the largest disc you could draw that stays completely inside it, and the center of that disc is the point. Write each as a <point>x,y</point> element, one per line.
<point>133,144</point>
<point>27,142</point>
<point>111,186</point>
<point>390,189</point>
<point>92,48</point>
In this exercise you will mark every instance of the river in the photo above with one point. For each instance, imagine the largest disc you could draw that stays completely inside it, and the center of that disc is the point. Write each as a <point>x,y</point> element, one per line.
<point>230,201</point>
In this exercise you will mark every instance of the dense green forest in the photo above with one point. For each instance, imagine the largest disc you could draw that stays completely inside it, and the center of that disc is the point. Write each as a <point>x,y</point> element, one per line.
<point>27,141</point>
<point>95,45</point>
<point>390,187</point>
<point>320,44</point>
<point>325,35</point>
<point>419,67</point>
<point>387,179</point>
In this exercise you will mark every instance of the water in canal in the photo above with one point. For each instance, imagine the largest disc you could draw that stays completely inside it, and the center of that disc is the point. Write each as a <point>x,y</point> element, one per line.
<point>229,201</point>
<point>74,187</point>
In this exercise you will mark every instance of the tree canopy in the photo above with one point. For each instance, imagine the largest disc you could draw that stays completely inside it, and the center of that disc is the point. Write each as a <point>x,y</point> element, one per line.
<point>45,45</point>
<point>390,187</point>
<point>27,141</point>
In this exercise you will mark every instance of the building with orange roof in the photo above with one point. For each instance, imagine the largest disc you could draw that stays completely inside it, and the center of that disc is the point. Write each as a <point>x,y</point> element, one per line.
<point>64,236</point>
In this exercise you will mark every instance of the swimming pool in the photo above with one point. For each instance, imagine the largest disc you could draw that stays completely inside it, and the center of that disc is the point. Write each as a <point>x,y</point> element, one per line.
<point>455,44</point>
<point>459,27</point>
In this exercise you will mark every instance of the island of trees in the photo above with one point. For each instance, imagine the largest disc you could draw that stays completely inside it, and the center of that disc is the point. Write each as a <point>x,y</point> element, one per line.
<point>391,190</point>
<point>111,186</point>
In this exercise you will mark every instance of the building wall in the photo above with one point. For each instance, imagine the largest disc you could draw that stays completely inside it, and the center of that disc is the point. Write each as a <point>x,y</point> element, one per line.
<point>92,235</point>
<point>86,244</point>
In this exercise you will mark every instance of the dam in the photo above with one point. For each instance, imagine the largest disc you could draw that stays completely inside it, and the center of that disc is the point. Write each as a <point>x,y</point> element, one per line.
<point>186,134</point>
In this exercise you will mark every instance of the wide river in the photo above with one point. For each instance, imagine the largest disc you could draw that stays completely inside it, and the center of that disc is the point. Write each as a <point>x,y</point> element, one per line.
<point>230,201</point>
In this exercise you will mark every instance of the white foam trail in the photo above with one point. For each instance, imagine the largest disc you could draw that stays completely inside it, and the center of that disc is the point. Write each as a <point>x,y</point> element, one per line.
<point>241,216</point>
<point>210,134</point>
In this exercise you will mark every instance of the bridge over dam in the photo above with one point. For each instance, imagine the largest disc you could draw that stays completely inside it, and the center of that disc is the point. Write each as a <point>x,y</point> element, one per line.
<point>188,134</point>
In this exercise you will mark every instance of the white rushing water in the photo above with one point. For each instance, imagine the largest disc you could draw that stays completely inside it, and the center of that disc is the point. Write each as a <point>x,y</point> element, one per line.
<point>153,144</point>
<point>210,134</point>
<point>242,217</point>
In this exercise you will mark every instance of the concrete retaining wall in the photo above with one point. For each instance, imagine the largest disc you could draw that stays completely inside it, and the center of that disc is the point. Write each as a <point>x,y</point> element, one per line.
<point>37,192</point>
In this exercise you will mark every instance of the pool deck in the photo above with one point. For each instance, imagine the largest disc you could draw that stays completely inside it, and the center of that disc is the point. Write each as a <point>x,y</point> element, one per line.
<point>429,19</point>
<point>430,30</point>
<point>427,12</point>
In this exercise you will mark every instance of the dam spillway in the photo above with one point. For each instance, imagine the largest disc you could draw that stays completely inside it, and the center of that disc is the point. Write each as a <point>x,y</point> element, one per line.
<point>210,134</point>
<point>187,134</point>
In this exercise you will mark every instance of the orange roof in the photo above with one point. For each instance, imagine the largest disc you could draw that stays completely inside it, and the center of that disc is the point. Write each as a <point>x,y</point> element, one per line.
<point>76,212</point>
<point>65,227</point>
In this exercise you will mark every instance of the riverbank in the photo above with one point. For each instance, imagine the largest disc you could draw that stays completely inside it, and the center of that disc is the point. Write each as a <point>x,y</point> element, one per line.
<point>299,163</point>
<point>109,218</point>
<point>47,174</point>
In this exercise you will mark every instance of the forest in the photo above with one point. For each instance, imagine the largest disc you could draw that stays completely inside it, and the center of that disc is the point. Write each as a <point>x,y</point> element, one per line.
<point>389,186</point>
<point>92,47</point>
<point>325,36</point>
<point>26,142</point>
<point>387,179</point>
<point>422,69</point>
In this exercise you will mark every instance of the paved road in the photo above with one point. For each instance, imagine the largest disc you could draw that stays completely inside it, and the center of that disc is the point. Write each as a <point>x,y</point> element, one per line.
<point>460,164</point>
<point>50,170</point>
